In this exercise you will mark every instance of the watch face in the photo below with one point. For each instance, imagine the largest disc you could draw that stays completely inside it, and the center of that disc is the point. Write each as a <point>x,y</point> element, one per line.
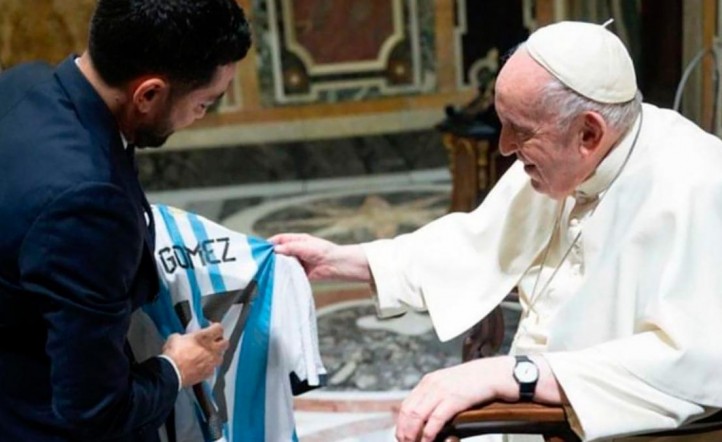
<point>526,372</point>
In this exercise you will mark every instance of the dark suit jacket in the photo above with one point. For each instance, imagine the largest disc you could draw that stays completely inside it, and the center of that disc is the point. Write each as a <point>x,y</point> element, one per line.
<point>75,261</point>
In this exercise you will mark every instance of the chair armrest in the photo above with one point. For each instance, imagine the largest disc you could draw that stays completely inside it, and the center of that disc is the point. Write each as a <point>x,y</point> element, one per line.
<point>547,420</point>
<point>503,417</point>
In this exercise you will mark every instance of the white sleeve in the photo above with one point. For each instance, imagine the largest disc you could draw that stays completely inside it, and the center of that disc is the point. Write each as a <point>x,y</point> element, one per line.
<point>460,266</point>
<point>606,399</point>
<point>397,287</point>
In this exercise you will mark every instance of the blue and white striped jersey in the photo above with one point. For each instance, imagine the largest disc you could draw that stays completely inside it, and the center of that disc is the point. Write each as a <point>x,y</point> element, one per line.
<point>264,302</point>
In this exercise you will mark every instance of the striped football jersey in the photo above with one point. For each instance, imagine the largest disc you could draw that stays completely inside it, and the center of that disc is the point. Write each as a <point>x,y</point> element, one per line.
<point>210,274</point>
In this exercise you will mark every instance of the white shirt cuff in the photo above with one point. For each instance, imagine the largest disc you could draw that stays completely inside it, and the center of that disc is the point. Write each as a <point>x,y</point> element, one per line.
<point>175,368</point>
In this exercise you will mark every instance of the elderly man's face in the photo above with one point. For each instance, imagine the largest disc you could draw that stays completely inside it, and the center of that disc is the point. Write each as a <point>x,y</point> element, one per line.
<point>551,156</point>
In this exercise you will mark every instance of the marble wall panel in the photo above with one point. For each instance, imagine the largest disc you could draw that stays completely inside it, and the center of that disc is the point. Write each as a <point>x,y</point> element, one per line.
<point>42,29</point>
<point>324,51</point>
<point>358,30</point>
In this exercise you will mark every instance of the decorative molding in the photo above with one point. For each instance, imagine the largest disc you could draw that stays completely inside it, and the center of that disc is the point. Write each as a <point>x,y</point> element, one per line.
<point>232,100</point>
<point>528,17</point>
<point>306,129</point>
<point>490,63</point>
<point>460,29</point>
<point>497,26</point>
<point>299,74</point>
<point>316,68</point>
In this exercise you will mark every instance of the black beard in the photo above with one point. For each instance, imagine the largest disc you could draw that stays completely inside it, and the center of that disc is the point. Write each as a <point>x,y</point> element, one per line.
<point>148,137</point>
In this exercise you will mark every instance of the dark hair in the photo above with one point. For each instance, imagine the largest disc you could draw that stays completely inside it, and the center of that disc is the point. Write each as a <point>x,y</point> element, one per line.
<point>184,40</point>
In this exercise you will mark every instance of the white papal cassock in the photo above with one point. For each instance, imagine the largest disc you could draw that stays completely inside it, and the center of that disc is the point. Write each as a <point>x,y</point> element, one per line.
<point>631,322</point>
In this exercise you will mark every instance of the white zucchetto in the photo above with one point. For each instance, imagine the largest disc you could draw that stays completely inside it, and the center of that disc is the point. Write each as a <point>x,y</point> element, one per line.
<point>587,58</point>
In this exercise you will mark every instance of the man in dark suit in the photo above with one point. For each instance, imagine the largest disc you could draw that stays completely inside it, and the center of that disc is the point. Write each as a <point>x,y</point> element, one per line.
<point>76,235</point>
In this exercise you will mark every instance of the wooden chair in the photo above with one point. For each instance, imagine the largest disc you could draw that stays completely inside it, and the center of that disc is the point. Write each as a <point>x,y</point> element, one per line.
<point>550,421</point>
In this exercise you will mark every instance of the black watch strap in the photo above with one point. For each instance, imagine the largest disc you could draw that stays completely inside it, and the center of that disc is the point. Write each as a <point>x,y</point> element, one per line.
<point>526,378</point>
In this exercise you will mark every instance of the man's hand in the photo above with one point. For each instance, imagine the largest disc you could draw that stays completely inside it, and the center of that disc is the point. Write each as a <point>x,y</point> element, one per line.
<point>444,393</point>
<point>323,259</point>
<point>197,354</point>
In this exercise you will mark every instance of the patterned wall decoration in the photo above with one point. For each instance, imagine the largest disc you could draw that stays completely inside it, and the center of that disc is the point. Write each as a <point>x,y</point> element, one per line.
<point>50,30</point>
<point>485,31</point>
<point>343,50</point>
<point>232,100</point>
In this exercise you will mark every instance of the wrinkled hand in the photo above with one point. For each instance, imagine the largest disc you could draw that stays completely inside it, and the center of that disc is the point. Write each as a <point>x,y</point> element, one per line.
<point>197,354</point>
<point>444,393</point>
<point>322,259</point>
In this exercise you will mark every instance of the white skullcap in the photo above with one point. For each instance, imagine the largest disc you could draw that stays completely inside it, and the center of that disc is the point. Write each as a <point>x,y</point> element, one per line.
<point>587,58</point>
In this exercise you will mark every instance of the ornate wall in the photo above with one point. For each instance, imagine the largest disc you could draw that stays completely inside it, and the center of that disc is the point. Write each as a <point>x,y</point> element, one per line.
<point>345,50</point>
<point>319,69</point>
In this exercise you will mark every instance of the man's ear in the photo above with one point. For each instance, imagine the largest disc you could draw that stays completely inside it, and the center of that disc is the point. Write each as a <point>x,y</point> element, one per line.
<point>149,94</point>
<point>592,131</point>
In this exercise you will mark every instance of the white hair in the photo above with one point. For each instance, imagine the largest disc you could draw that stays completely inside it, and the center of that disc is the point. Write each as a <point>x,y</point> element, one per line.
<point>565,104</point>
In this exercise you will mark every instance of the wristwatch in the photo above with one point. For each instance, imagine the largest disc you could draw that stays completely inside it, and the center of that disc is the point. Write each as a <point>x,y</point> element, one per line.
<point>526,374</point>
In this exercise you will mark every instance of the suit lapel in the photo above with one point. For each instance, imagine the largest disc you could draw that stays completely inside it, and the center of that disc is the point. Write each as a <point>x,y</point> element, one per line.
<point>100,122</point>
<point>146,283</point>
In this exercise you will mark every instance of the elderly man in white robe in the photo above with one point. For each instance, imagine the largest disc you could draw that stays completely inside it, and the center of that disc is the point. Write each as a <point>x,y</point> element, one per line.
<point>609,224</point>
